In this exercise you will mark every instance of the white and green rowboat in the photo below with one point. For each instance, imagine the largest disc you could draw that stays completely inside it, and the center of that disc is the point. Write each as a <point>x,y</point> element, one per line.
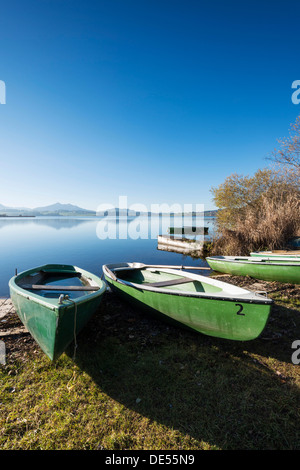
<point>201,303</point>
<point>280,269</point>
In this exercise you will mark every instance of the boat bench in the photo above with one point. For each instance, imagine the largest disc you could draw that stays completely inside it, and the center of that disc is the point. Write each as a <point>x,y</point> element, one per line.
<point>61,273</point>
<point>59,288</point>
<point>171,282</point>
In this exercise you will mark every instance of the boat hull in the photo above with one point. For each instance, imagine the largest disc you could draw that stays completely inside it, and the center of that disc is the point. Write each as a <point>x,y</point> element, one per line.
<point>233,319</point>
<point>54,326</point>
<point>267,270</point>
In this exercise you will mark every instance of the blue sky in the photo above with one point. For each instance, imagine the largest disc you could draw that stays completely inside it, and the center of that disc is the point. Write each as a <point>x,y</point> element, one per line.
<point>157,100</point>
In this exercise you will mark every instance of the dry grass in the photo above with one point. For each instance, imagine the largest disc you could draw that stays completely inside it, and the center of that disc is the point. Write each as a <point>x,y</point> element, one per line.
<point>266,225</point>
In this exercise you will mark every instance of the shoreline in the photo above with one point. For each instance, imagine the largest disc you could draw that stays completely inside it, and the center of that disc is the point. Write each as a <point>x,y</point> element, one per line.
<point>12,330</point>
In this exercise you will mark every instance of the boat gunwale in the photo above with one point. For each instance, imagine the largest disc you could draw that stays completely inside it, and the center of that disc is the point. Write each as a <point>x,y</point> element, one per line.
<point>284,254</point>
<point>254,298</point>
<point>250,260</point>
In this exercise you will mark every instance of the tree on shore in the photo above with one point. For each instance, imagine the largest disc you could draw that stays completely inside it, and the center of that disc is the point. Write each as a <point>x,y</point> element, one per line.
<point>261,211</point>
<point>238,193</point>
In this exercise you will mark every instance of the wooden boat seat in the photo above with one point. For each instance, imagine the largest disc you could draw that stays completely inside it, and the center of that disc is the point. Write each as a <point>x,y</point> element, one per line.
<point>59,288</point>
<point>171,282</point>
<point>61,273</point>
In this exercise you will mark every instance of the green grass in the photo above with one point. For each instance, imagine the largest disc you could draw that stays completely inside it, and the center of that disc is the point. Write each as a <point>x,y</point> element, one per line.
<point>138,383</point>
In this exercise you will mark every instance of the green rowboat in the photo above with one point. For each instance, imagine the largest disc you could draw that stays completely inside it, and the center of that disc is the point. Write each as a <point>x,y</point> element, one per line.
<point>277,253</point>
<point>281,269</point>
<point>54,302</point>
<point>198,302</point>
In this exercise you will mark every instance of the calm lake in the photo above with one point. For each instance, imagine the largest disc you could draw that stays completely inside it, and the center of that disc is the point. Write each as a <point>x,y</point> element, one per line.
<point>29,242</point>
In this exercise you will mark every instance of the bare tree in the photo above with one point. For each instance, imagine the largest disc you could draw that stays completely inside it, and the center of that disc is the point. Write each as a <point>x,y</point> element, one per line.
<point>288,154</point>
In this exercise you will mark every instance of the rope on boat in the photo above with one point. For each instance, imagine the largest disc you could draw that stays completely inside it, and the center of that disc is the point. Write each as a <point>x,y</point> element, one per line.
<point>75,318</point>
<point>63,297</point>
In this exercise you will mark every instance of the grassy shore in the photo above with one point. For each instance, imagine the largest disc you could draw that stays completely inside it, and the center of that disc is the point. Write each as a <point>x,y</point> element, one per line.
<point>139,383</point>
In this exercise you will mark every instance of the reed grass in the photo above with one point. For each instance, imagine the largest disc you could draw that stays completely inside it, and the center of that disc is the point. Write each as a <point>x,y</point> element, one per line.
<point>266,225</point>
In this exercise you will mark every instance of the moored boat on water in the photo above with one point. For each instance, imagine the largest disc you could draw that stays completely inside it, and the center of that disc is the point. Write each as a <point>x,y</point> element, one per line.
<point>281,269</point>
<point>54,302</point>
<point>201,303</point>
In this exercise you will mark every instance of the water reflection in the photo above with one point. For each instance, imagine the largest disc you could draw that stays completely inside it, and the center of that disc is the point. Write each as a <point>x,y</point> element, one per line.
<point>54,222</point>
<point>27,243</point>
<point>146,227</point>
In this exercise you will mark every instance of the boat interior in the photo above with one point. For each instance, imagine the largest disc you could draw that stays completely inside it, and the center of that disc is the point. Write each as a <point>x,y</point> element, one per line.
<point>162,279</point>
<point>51,283</point>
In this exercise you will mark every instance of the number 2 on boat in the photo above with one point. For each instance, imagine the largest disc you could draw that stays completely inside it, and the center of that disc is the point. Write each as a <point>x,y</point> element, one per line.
<point>239,312</point>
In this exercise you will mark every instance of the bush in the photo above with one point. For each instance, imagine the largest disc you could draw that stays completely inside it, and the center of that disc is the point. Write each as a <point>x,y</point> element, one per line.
<point>268,224</point>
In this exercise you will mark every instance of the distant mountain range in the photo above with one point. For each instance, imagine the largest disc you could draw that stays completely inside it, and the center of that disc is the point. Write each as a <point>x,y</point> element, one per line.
<point>58,209</point>
<point>53,209</point>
